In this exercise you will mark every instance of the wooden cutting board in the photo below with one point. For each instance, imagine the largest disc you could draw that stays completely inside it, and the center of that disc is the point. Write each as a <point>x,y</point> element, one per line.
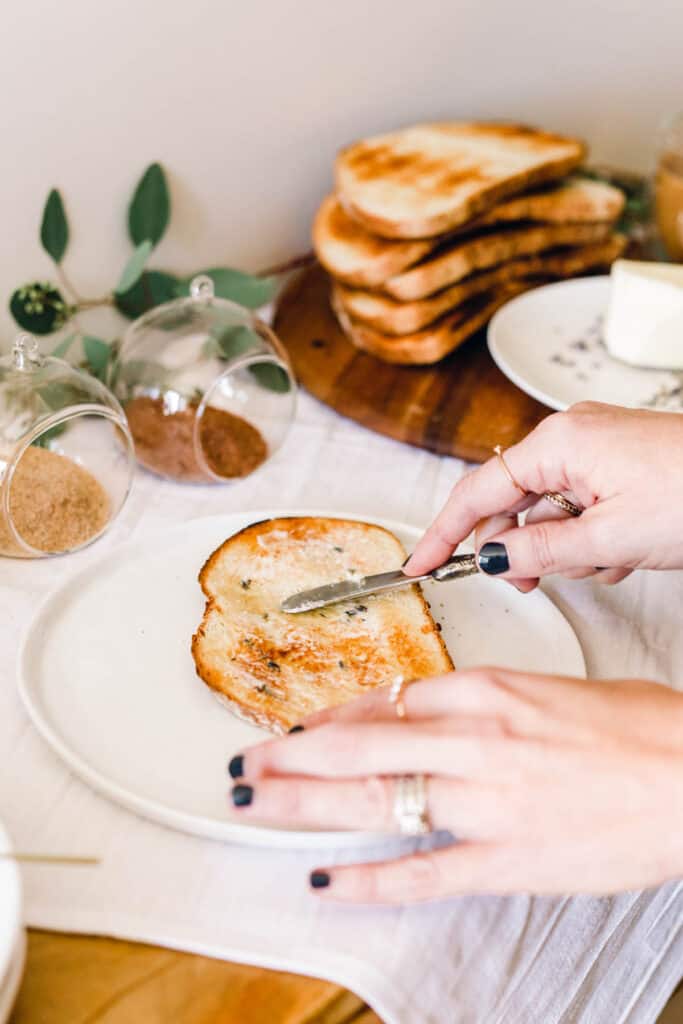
<point>462,406</point>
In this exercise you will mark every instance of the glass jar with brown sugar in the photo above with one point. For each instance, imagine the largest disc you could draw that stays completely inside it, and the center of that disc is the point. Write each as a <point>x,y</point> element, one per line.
<point>206,386</point>
<point>66,455</point>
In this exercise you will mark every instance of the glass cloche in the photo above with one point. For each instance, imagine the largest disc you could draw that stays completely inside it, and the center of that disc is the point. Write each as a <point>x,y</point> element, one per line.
<point>206,387</point>
<point>66,455</point>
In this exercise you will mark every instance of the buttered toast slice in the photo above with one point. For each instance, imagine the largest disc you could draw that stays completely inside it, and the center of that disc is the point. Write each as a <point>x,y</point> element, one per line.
<point>272,668</point>
<point>430,178</point>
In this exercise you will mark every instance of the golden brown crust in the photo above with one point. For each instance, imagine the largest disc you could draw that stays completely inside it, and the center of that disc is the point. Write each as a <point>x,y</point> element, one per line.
<point>273,669</point>
<point>429,179</point>
<point>390,316</point>
<point>440,339</point>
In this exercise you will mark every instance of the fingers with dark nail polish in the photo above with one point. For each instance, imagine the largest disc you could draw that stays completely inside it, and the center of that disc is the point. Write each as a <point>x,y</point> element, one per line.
<point>242,795</point>
<point>493,558</point>
<point>236,766</point>
<point>296,728</point>
<point>319,879</point>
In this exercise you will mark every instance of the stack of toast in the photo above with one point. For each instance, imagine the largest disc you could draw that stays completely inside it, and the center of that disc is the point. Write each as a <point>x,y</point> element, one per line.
<point>432,228</point>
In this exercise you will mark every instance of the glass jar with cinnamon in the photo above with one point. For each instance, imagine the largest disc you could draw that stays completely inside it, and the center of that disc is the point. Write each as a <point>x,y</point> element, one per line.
<point>206,386</point>
<point>66,455</point>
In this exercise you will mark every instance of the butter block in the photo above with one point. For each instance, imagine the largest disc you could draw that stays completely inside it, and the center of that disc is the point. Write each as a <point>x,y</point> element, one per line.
<point>644,321</point>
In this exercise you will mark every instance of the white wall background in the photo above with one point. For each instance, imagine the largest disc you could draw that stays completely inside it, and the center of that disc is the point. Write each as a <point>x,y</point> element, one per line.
<point>245,102</point>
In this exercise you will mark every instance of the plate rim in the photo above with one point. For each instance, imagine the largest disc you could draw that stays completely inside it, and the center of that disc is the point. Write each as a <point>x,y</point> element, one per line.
<point>153,809</point>
<point>493,343</point>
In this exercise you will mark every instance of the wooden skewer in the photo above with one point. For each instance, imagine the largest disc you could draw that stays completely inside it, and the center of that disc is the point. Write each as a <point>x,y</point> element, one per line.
<point>47,858</point>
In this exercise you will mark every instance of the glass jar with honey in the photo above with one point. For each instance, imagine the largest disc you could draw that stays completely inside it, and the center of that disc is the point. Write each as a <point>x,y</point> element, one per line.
<point>669,188</point>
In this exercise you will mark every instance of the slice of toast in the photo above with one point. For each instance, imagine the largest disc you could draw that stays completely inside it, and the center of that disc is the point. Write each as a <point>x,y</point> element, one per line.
<point>392,317</point>
<point>357,257</point>
<point>430,178</point>
<point>459,260</point>
<point>441,338</point>
<point>352,254</point>
<point>273,669</point>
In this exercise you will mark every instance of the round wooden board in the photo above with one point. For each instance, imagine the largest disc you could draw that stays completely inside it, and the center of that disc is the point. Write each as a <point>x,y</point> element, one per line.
<point>461,406</point>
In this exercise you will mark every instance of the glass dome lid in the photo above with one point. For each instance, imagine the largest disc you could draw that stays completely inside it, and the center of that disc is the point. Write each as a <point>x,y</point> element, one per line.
<point>66,455</point>
<point>206,387</point>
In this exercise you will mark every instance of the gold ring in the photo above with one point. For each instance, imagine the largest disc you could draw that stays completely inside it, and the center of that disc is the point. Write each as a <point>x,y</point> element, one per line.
<point>515,483</point>
<point>396,692</point>
<point>555,498</point>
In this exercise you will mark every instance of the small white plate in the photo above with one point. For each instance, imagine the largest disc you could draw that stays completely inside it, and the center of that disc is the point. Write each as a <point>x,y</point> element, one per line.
<point>11,929</point>
<point>549,343</point>
<point>107,676</point>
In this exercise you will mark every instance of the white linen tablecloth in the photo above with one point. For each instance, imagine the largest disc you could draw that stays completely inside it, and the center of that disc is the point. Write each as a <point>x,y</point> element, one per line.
<point>470,959</point>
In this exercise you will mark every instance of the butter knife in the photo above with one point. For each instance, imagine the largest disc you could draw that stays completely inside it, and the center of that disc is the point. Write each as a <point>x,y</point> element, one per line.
<point>347,590</point>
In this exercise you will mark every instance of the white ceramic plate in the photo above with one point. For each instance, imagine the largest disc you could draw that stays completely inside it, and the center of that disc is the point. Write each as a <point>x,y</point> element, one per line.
<point>107,676</point>
<point>9,986</point>
<point>11,931</point>
<point>549,343</point>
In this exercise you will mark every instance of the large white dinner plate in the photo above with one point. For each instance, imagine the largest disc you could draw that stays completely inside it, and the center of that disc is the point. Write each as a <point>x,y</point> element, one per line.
<point>549,343</point>
<point>9,986</point>
<point>11,928</point>
<point>107,676</point>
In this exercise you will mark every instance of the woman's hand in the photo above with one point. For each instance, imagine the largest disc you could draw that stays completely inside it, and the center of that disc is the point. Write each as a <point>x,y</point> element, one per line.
<point>550,785</point>
<point>623,466</point>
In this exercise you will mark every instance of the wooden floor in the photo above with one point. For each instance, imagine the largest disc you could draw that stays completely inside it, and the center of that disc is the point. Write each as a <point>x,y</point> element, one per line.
<point>74,979</point>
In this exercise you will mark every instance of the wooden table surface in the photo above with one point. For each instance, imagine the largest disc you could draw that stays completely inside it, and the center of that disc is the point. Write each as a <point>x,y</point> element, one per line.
<point>78,979</point>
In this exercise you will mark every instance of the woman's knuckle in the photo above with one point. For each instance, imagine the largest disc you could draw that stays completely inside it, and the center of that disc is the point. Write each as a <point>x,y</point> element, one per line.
<point>422,875</point>
<point>541,547</point>
<point>378,804</point>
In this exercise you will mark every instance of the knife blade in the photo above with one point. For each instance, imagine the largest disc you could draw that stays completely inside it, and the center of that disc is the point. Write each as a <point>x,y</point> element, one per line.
<point>455,568</point>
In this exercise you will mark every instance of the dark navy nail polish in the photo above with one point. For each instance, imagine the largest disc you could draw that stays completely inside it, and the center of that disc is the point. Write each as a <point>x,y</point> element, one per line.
<point>493,559</point>
<point>296,728</point>
<point>320,879</point>
<point>406,561</point>
<point>242,795</point>
<point>236,766</point>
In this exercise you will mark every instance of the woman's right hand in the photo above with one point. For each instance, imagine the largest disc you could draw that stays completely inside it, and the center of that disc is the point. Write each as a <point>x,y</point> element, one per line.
<point>623,466</point>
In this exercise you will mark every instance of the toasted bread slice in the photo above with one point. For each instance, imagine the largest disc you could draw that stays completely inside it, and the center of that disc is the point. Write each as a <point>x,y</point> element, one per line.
<point>441,338</point>
<point>357,257</point>
<point>272,668</point>
<point>352,254</point>
<point>430,178</point>
<point>461,259</point>
<point>392,317</point>
<point>572,201</point>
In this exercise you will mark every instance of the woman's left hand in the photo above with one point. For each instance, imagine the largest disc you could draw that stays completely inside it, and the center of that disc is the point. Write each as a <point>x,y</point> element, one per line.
<point>550,785</point>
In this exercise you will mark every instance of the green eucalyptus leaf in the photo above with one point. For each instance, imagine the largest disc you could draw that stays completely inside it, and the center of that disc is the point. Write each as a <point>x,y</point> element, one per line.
<point>271,376</point>
<point>132,272</point>
<point>233,341</point>
<point>54,230</point>
<point>150,207</point>
<point>39,307</point>
<point>61,350</point>
<point>97,355</point>
<point>150,290</point>
<point>245,289</point>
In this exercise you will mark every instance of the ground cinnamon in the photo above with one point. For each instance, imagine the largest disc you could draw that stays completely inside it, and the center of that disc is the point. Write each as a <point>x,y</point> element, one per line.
<point>55,504</point>
<point>164,441</point>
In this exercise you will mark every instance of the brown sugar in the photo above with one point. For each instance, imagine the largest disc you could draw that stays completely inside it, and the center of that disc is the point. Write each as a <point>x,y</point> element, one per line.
<point>164,441</point>
<point>56,505</point>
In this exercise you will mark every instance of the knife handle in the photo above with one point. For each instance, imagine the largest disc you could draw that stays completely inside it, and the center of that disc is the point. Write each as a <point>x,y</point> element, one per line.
<point>455,568</point>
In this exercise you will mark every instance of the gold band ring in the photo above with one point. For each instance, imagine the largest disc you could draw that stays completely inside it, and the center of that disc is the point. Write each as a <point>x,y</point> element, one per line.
<point>554,497</point>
